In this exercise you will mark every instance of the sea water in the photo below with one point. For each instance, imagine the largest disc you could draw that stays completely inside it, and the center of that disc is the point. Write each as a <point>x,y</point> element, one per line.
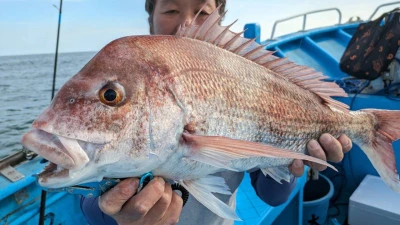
<point>25,91</point>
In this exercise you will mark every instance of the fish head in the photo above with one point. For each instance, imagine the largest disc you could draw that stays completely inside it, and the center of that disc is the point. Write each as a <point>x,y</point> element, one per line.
<point>100,122</point>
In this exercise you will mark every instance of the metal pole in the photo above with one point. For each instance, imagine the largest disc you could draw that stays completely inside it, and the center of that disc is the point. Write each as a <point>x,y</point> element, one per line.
<point>44,193</point>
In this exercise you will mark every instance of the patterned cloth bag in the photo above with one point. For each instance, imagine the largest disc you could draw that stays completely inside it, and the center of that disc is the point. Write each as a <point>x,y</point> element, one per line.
<point>372,47</point>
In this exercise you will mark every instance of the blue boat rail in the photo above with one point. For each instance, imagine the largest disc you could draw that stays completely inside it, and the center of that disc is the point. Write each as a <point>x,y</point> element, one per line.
<point>304,16</point>
<point>381,6</point>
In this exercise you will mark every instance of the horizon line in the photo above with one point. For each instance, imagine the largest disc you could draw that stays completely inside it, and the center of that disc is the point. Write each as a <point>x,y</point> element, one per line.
<point>48,53</point>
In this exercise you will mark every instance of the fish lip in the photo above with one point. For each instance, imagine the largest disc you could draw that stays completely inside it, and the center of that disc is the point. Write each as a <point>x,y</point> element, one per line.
<point>54,132</point>
<point>54,176</point>
<point>52,173</point>
<point>51,148</point>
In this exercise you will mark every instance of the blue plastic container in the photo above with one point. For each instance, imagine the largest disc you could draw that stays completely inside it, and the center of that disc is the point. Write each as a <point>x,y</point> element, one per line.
<point>317,194</point>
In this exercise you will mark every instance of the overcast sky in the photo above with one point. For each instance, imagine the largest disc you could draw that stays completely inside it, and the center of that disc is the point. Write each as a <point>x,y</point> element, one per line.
<point>30,26</point>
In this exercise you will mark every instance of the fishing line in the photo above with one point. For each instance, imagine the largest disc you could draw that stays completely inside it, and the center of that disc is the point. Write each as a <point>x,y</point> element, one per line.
<point>359,90</point>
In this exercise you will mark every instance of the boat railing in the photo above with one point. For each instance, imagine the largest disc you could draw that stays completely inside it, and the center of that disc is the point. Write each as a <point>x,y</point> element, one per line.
<point>304,15</point>
<point>380,6</point>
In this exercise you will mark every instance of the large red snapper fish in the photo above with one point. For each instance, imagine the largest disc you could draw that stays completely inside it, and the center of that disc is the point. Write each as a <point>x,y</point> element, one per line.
<point>187,106</point>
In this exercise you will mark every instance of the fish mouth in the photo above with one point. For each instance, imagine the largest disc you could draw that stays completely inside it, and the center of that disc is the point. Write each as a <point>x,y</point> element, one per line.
<point>64,155</point>
<point>52,171</point>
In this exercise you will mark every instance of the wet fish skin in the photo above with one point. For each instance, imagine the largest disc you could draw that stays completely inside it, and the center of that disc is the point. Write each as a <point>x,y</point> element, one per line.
<point>232,98</point>
<point>184,113</point>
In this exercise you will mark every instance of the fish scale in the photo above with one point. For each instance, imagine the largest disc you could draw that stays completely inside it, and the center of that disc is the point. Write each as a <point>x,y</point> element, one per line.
<point>243,102</point>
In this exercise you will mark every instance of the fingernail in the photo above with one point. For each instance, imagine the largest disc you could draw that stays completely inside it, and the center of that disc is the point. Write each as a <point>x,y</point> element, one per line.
<point>161,180</point>
<point>313,144</point>
<point>348,144</point>
<point>134,183</point>
<point>297,164</point>
<point>325,138</point>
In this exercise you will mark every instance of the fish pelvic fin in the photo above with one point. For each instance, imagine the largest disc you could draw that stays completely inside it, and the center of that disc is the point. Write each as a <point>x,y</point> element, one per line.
<point>202,189</point>
<point>278,173</point>
<point>380,151</point>
<point>219,151</point>
<point>305,77</point>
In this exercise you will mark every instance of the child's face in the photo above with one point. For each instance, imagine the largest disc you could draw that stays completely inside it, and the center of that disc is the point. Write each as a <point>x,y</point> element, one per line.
<point>169,14</point>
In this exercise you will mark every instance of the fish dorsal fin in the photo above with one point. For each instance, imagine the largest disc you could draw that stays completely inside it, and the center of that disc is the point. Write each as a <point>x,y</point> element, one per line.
<point>210,31</point>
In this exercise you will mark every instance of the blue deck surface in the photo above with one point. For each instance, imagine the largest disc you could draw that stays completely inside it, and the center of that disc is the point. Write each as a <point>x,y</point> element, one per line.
<point>20,201</point>
<point>254,211</point>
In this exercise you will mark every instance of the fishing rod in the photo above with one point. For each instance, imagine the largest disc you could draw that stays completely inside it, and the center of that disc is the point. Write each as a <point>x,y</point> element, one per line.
<point>56,56</point>
<point>44,193</point>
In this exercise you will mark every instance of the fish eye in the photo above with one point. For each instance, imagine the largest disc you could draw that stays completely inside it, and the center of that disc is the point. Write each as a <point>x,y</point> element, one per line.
<point>112,94</point>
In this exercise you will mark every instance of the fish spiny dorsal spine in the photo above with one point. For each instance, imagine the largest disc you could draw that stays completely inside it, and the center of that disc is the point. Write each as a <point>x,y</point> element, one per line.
<point>307,78</point>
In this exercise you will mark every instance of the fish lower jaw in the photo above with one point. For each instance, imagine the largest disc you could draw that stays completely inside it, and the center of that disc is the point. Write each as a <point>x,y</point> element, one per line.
<point>55,176</point>
<point>50,172</point>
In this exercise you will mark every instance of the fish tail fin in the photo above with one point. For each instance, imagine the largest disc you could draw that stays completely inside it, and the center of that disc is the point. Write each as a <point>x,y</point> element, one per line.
<point>379,150</point>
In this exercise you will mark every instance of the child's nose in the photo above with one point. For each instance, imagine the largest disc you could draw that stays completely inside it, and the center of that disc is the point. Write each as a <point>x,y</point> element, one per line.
<point>188,18</point>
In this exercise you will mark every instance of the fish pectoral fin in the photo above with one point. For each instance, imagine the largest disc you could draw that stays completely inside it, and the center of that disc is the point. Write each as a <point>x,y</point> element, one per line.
<point>278,173</point>
<point>202,190</point>
<point>208,157</point>
<point>219,151</point>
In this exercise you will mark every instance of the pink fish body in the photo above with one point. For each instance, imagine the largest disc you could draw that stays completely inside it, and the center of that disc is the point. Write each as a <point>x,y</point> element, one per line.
<point>187,106</point>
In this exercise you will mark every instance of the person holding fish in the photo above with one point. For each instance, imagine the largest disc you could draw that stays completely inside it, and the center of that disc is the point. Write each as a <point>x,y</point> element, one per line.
<point>157,203</point>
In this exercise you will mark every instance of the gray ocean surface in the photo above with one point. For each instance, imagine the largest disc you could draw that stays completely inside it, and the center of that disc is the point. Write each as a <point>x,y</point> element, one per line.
<point>25,91</point>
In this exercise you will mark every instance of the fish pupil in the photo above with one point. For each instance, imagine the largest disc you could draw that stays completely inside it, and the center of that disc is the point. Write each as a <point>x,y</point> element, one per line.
<point>110,95</point>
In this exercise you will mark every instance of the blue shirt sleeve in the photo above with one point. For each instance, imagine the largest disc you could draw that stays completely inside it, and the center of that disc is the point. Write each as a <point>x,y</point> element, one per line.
<point>270,191</point>
<point>93,214</point>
